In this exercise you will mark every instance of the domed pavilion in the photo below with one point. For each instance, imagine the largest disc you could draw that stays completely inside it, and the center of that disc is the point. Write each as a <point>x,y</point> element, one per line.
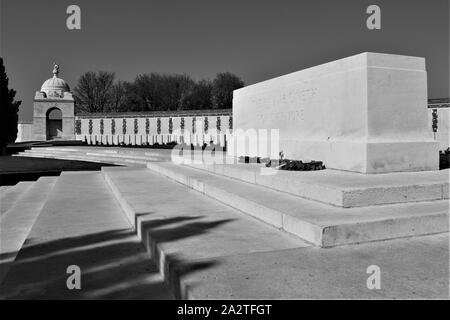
<point>53,110</point>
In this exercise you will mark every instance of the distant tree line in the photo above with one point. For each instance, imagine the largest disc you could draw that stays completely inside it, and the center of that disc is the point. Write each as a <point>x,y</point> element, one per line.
<point>101,92</point>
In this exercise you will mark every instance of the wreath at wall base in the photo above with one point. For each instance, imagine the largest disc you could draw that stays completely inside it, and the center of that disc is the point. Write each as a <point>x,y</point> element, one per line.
<point>285,164</point>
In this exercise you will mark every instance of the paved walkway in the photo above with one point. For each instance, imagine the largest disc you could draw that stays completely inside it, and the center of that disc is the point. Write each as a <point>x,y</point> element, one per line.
<point>410,268</point>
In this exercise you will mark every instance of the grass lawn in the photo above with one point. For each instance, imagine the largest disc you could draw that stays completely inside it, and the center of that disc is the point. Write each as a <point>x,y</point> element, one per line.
<point>15,169</point>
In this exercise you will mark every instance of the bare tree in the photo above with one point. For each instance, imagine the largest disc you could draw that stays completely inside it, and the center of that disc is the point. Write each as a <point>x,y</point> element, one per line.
<point>155,92</point>
<point>197,96</point>
<point>97,92</point>
<point>118,97</point>
<point>93,91</point>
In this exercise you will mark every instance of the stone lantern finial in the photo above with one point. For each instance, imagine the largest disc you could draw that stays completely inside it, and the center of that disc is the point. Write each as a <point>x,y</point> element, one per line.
<point>55,69</point>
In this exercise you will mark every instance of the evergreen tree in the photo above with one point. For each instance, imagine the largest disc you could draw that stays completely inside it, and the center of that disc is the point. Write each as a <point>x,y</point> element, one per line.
<point>8,111</point>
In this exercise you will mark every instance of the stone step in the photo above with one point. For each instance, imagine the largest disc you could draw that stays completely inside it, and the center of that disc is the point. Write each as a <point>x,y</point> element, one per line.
<point>340,188</point>
<point>317,223</point>
<point>61,143</point>
<point>12,194</point>
<point>136,153</point>
<point>113,152</point>
<point>186,232</point>
<point>160,153</point>
<point>105,159</point>
<point>95,153</point>
<point>92,152</point>
<point>82,224</point>
<point>16,223</point>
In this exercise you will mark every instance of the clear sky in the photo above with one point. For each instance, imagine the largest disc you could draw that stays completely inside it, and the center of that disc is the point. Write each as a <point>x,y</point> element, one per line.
<point>256,39</point>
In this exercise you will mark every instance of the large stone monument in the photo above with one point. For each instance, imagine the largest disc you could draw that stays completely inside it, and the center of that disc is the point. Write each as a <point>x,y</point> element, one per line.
<point>53,110</point>
<point>366,113</point>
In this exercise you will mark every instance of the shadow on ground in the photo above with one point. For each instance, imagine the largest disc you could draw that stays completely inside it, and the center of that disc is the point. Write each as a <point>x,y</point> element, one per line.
<point>114,264</point>
<point>16,169</point>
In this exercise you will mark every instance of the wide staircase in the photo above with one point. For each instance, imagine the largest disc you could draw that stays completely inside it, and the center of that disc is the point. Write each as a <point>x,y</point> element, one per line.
<point>152,228</point>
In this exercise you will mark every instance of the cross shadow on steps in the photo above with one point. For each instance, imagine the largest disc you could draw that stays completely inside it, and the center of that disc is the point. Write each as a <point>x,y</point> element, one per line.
<point>114,264</point>
<point>174,265</point>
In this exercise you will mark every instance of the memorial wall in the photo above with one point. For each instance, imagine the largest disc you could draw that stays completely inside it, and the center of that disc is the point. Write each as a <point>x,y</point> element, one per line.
<point>149,128</point>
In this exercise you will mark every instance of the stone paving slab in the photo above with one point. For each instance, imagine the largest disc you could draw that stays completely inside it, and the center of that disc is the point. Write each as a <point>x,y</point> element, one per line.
<point>11,195</point>
<point>82,224</point>
<point>411,268</point>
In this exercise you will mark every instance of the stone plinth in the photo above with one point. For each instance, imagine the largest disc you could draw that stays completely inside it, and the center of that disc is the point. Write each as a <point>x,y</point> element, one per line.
<point>366,113</point>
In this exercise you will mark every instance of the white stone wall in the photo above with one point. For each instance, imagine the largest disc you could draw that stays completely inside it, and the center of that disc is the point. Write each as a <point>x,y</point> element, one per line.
<point>95,136</point>
<point>24,132</point>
